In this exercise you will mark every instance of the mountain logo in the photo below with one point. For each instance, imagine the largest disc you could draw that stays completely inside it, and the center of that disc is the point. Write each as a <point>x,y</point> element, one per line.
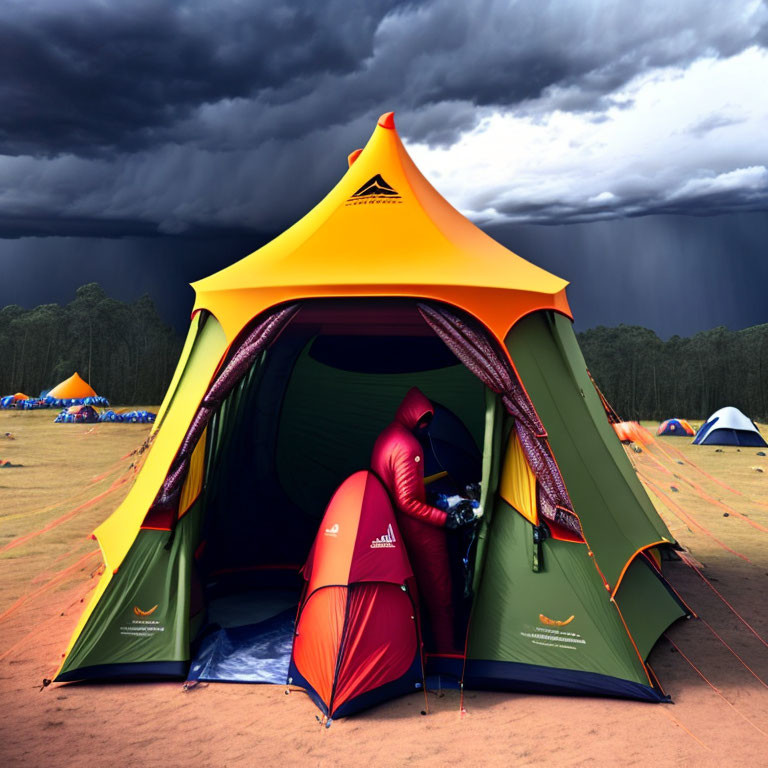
<point>386,540</point>
<point>333,530</point>
<point>375,190</point>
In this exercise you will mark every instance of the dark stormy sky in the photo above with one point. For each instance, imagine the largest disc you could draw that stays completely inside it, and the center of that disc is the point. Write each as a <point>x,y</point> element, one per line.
<point>623,145</point>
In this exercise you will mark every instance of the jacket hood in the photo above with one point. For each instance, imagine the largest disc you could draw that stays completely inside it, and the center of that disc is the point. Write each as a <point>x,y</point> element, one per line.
<point>414,407</point>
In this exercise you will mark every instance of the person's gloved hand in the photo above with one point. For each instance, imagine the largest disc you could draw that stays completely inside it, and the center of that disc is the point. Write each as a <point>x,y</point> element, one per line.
<point>462,514</point>
<point>441,501</point>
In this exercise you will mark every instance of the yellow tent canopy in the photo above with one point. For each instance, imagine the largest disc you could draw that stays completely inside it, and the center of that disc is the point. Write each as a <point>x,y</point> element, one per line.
<point>423,247</point>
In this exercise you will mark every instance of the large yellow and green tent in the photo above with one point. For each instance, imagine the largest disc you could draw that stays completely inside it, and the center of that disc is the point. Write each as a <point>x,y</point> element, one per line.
<point>348,309</point>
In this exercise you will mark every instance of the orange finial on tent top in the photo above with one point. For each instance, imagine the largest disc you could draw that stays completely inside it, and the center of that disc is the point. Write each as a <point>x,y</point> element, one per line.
<point>387,120</point>
<point>353,156</point>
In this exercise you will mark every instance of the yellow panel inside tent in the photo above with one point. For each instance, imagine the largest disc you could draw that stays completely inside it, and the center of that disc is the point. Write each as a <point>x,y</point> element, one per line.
<point>518,483</point>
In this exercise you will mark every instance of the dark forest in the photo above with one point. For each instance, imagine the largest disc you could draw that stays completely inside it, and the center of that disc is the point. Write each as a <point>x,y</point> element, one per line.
<point>644,377</point>
<point>128,354</point>
<point>123,350</point>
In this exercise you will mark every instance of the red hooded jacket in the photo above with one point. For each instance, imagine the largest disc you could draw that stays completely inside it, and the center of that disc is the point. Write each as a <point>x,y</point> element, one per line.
<point>398,460</point>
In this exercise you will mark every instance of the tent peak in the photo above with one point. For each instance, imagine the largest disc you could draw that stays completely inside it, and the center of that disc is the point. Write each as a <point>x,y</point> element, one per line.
<point>383,230</point>
<point>387,120</point>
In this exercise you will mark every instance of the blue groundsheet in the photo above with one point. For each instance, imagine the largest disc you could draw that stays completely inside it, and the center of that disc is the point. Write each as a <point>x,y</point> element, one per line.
<point>254,653</point>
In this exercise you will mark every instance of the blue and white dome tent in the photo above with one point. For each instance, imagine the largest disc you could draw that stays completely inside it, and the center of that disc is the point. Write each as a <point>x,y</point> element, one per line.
<point>729,426</point>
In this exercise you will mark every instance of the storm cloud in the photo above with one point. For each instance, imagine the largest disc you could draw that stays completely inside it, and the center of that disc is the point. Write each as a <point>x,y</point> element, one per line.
<point>147,117</point>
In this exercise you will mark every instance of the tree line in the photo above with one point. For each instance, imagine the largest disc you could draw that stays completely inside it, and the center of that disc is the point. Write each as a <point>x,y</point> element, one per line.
<point>124,350</point>
<point>128,355</point>
<point>644,377</point>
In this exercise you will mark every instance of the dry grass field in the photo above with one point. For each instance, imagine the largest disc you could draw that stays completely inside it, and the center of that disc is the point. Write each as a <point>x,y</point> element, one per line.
<point>714,501</point>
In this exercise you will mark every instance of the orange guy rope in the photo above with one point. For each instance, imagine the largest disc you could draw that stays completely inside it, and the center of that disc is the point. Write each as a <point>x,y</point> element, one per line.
<point>680,511</point>
<point>743,663</point>
<point>704,495</point>
<point>49,620</point>
<point>712,477</point>
<point>52,583</point>
<point>65,517</point>
<point>688,562</point>
<point>84,489</point>
<point>715,688</point>
<point>680,725</point>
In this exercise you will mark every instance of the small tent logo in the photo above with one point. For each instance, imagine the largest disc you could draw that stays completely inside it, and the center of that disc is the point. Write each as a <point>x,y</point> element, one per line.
<point>375,190</point>
<point>144,614</point>
<point>333,530</point>
<point>547,622</point>
<point>386,540</point>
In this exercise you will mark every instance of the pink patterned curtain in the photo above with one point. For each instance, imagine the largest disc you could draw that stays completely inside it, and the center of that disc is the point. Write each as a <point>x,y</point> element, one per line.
<point>470,343</point>
<point>259,339</point>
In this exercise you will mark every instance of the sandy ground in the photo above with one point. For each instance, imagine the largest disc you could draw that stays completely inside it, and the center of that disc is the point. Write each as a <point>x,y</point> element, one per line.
<point>44,578</point>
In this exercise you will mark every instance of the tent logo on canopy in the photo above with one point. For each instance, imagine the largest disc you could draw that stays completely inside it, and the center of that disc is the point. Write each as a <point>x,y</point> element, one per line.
<point>386,540</point>
<point>375,190</point>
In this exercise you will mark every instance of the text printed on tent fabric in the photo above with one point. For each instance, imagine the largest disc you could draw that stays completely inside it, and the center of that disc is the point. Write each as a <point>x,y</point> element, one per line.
<point>554,638</point>
<point>138,628</point>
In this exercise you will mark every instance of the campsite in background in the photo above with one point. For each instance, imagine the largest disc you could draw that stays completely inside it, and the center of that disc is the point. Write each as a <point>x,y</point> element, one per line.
<point>123,349</point>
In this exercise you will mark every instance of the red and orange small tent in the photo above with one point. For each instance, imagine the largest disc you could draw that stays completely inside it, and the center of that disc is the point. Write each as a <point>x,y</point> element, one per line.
<point>357,637</point>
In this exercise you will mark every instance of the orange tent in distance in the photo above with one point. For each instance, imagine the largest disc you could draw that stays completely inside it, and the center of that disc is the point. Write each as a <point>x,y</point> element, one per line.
<point>73,388</point>
<point>632,432</point>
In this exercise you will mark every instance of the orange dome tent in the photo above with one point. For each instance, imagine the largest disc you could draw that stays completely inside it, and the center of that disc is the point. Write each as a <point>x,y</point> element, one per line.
<point>73,388</point>
<point>632,432</point>
<point>20,396</point>
<point>676,428</point>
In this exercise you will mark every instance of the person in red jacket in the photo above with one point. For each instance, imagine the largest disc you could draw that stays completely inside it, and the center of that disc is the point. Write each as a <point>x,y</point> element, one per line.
<point>398,460</point>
